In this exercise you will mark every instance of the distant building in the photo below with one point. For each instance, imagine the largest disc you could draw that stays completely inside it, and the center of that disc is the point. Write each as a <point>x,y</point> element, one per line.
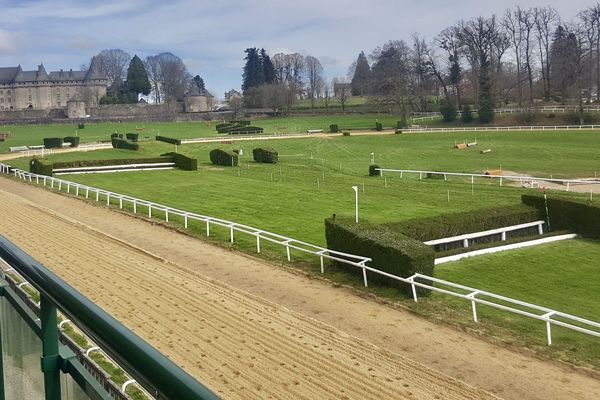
<point>41,90</point>
<point>195,101</point>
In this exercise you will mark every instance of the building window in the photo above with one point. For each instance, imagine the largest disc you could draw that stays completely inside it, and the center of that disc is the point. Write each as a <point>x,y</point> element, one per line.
<point>1,100</point>
<point>1,91</point>
<point>29,97</point>
<point>8,100</point>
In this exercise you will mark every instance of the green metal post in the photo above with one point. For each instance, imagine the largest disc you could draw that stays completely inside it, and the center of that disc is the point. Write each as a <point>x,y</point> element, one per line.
<point>1,363</point>
<point>50,357</point>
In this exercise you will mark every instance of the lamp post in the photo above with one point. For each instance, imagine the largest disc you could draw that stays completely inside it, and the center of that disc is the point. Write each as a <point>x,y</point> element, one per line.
<point>355,188</point>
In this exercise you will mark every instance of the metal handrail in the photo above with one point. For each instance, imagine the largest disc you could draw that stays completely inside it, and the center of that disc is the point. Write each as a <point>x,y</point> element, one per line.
<point>155,372</point>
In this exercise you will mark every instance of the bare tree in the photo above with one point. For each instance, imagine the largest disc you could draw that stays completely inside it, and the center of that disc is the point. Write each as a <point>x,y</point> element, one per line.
<point>448,40</point>
<point>113,63</point>
<point>342,90</point>
<point>513,25</point>
<point>314,75</point>
<point>326,94</point>
<point>545,21</point>
<point>289,71</point>
<point>168,75</point>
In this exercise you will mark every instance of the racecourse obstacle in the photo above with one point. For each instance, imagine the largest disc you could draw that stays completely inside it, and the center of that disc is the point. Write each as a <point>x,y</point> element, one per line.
<point>568,321</point>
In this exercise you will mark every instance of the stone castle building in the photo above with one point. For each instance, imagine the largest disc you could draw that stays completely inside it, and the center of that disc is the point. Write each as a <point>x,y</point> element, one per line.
<point>21,90</point>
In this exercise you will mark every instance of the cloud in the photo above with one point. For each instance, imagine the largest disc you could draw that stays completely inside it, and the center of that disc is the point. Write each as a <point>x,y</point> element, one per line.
<point>9,42</point>
<point>81,44</point>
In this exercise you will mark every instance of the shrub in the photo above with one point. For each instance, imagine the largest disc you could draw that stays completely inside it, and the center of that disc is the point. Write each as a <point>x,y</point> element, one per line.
<point>580,217</point>
<point>467,114</point>
<point>391,252</point>
<point>334,128</point>
<point>378,126</point>
<point>448,110</point>
<point>168,140</point>
<point>74,140</point>
<point>265,155</point>
<point>132,136</point>
<point>346,133</point>
<point>183,162</point>
<point>222,125</point>
<point>40,166</point>
<point>81,126</point>
<point>448,225</point>
<point>398,131</point>
<point>53,143</point>
<point>372,170</point>
<point>224,128</point>
<point>224,157</point>
<point>527,118</point>
<point>119,143</point>
<point>238,129</point>
<point>551,116</point>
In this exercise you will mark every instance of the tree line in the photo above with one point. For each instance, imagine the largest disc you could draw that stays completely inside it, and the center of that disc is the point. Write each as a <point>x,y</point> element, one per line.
<point>525,56</point>
<point>163,75</point>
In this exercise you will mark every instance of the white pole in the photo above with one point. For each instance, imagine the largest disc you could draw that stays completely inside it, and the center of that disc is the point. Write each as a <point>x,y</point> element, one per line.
<point>355,188</point>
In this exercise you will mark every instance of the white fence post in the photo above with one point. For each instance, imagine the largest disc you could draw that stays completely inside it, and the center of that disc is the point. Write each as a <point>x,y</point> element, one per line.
<point>208,227</point>
<point>134,206</point>
<point>548,324</point>
<point>97,195</point>
<point>121,202</point>
<point>185,221</point>
<point>231,233</point>
<point>166,215</point>
<point>473,304</point>
<point>149,210</point>
<point>258,242</point>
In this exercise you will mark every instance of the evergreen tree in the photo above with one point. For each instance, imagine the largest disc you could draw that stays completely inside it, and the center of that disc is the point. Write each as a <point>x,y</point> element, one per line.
<point>267,67</point>
<point>361,75</point>
<point>467,116</point>
<point>448,110</point>
<point>200,83</point>
<point>486,100</point>
<point>137,78</point>
<point>253,75</point>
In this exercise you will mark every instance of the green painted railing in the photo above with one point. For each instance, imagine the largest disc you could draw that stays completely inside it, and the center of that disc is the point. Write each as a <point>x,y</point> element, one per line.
<point>151,369</point>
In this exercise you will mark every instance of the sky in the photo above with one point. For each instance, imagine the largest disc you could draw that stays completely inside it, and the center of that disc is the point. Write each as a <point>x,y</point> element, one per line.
<point>210,36</point>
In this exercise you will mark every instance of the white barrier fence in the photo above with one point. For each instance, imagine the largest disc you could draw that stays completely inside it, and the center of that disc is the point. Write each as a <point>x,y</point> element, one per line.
<point>474,296</point>
<point>239,138</point>
<point>520,178</point>
<point>423,116</point>
<point>503,128</point>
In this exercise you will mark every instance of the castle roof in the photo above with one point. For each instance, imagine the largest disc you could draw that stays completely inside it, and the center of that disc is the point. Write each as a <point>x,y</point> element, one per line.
<point>76,99</point>
<point>16,74</point>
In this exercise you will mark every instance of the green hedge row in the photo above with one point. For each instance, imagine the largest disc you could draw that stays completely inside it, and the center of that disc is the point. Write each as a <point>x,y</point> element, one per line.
<point>119,161</point>
<point>41,167</point>
<point>74,140</point>
<point>334,128</point>
<point>239,129</point>
<point>224,157</point>
<point>183,162</point>
<point>390,251</point>
<point>378,126</point>
<point>116,135</point>
<point>124,144</point>
<point>373,170</point>
<point>168,140</point>
<point>581,217</point>
<point>132,136</point>
<point>265,155</point>
<point>448,225</point>
<point>53,143</point>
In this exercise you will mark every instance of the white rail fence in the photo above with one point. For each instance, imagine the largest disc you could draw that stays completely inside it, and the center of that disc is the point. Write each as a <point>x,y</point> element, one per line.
<point>423,116</point>
<point>472,295</point>
<point>504,128</point>
<point>520,178</point>
<point>242,137</point>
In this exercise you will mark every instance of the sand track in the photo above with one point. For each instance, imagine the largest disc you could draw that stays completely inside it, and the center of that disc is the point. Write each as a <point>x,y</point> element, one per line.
<point>239,345</point>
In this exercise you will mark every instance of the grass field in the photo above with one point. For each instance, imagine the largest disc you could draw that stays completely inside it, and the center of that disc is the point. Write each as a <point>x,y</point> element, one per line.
<point>34,134</point>
<point>313,180</point>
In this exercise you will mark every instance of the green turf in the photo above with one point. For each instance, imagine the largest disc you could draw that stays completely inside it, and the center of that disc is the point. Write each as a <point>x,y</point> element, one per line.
<point>21,135</point>
<point>284,198</point>
<point>563,276</point>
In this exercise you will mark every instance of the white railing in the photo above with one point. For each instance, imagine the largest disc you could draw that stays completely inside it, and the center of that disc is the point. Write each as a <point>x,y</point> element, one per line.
<point>465,238</point>
<point>242,137</point>
<point>415,281</point>
<point>522,178</point>
<point>503,128</point>
<point>421,116</point>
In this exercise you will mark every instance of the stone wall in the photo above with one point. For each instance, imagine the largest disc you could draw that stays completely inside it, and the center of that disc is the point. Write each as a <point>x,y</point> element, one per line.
<point>31,115</point>
<point>135,110</point>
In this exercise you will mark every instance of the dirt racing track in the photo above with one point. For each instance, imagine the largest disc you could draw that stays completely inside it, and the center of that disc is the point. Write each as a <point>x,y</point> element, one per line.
<point>238,345</point>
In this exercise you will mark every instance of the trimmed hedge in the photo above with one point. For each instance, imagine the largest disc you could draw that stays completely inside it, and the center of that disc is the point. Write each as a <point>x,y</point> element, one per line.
<point>334,128</point>
<point>577,216</point>
<point>118,161</point>
<point>118,143</point>
<point>224,157</point>
<point>116,135</point>
<point>74,140</point>
<point>168,140</point>
<point>81,126</point>
<point>40,166</point>
<point>53,143</point>
<point>372,171</point>
<point>132,136</point>
<point>390,251</point>
<point>378,126</point>
<point>224,128</point>
<point>265,155</point>
<point>183,162</point>
<point>448,225</point>
<point>238,129</point>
